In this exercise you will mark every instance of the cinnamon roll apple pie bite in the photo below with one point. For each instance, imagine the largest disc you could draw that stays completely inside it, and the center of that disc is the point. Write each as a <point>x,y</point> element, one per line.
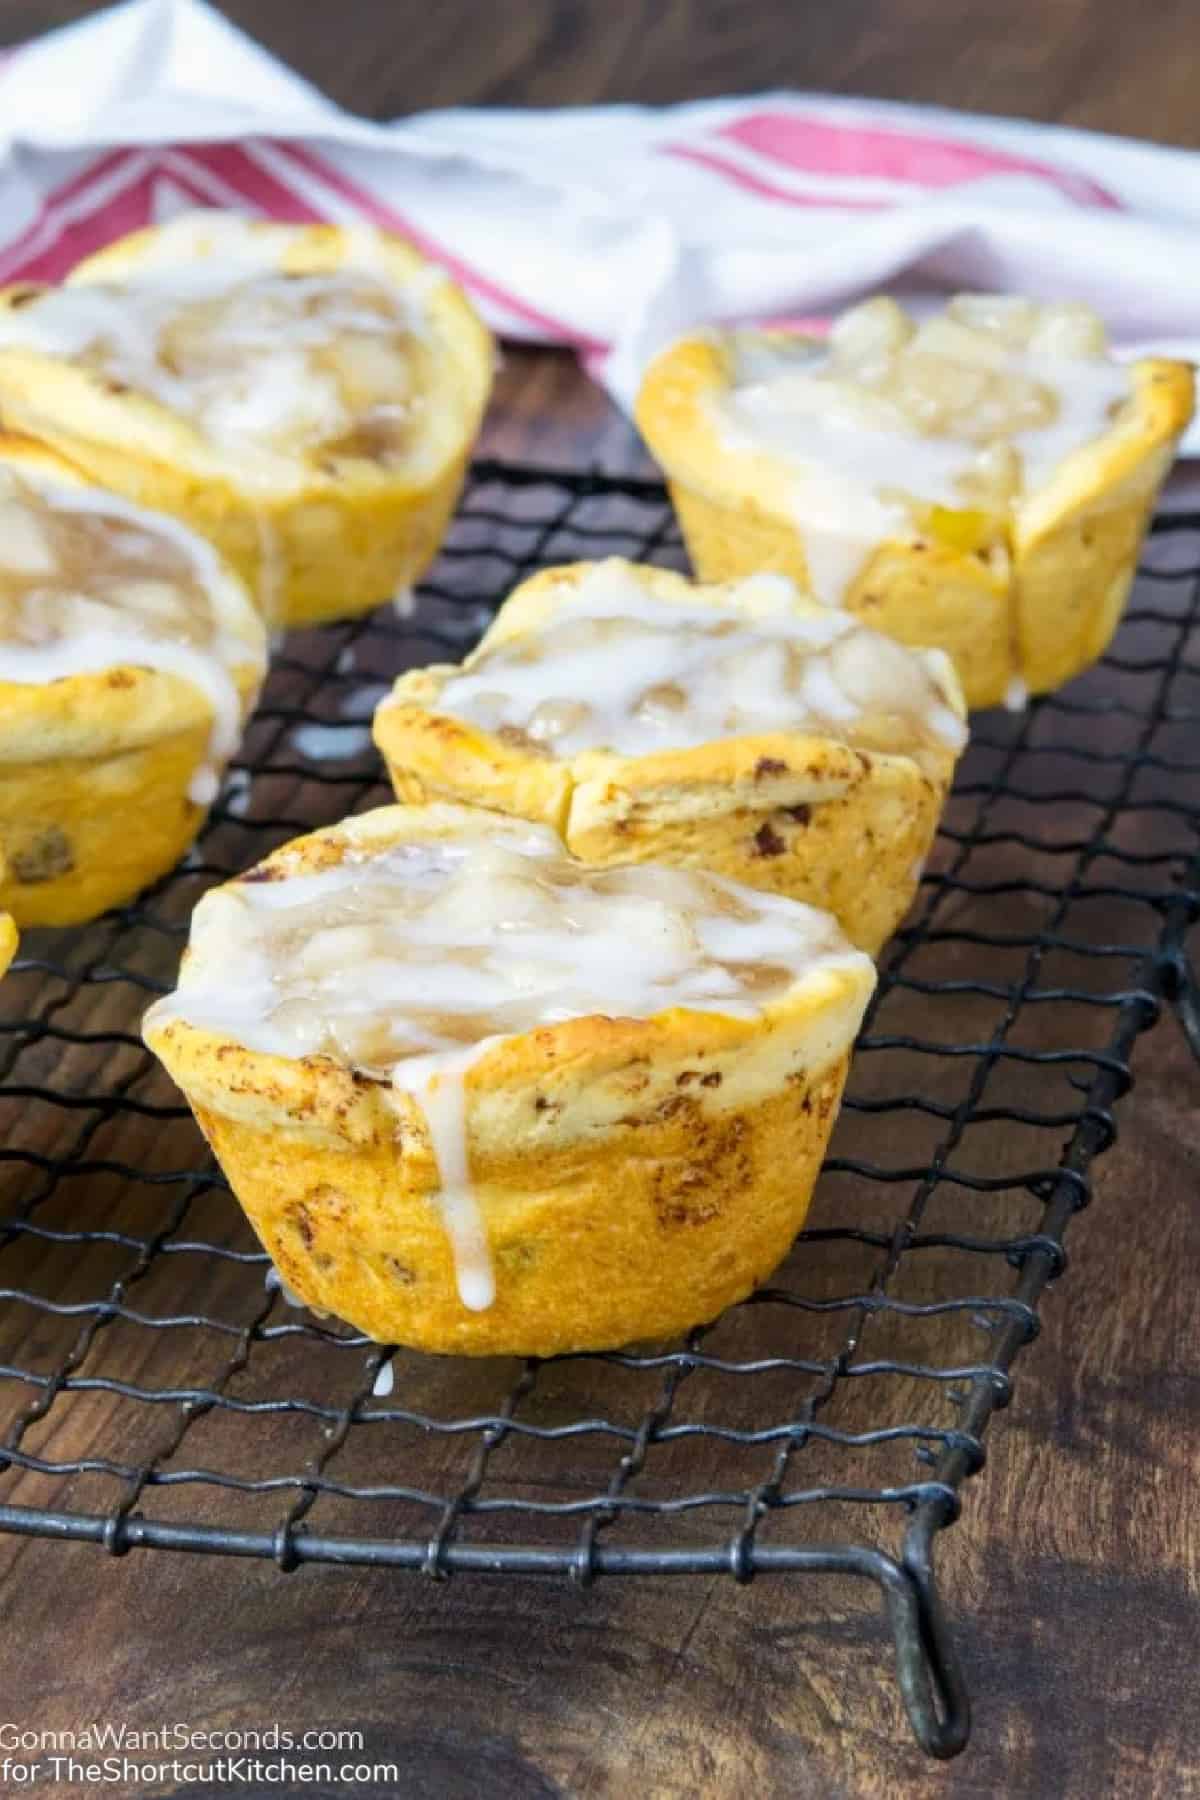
<point>304,396</point>
<point>477,1096</point>
<point>130,657</point>
<point>980,481</point>
<point>741,728</point>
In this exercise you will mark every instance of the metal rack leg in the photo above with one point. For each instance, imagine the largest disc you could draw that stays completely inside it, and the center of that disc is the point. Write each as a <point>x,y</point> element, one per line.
<point>931,1683</point>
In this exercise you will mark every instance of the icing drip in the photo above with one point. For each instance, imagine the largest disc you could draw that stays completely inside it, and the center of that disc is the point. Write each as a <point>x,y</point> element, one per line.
<point>274,1283</point>
<point>204,786</point>
<point>318,742</point>
<point>91,583</point>
<point>360,702</point>
<point>330,743</point>
<point>238,792</point>
<point>613,667</point>
<point>437,1083</point>
<point>970,411</point>
<point>414,961</point>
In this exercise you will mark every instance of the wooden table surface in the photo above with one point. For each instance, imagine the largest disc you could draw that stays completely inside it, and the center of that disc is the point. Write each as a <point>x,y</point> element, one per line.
<point>1073,1576</point>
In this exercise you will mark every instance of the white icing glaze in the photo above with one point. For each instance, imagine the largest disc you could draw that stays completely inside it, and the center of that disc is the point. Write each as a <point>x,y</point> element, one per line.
<point>614,667</point>
<point>204,786</point>
<point>274,1283</point>
<point>260,361</point>
<point>1016,694</point>
<point>438,1084</point>
<point>412,962</point>
<point>974,408</point>
<point>360,702</point>
<point>330,743</point>
<point>119,587</point>
<point>239,784</point>
<point>385,1381</point>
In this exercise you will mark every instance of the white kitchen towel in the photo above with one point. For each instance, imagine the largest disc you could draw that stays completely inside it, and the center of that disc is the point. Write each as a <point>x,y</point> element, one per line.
<point>610,229</point>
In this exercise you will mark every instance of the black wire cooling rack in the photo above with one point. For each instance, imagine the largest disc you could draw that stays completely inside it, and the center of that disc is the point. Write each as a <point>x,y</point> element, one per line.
<point>156,1391</point>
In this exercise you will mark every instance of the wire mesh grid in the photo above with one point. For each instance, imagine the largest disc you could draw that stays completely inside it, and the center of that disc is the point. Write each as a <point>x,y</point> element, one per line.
<point>156,1390</point>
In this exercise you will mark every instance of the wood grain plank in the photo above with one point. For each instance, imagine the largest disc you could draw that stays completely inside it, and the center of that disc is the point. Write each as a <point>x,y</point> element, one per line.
<point>1079,62</point>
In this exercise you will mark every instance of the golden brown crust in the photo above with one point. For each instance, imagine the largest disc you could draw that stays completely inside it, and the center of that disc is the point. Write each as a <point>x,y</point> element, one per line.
<point>1076,545</point>
<point>1035,597</point>
<point>8,940</point>
<point>8,927</point>
<point>811,817</point>
<point>345,536</point>
<point>674,1219</point>
<point>635,1175</point>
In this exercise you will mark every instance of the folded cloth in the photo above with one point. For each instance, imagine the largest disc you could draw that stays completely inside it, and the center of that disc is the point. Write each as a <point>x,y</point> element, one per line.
<point>611,229</point>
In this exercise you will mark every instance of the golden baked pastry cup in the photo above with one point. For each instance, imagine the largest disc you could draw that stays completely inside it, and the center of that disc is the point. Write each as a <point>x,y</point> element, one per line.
<point>1022,601</point>
<point>8,941</point>
<point>812,817</point>
<point>349,532</point>
<point>95,769</point>
<point>635,1176</point>
<point>8,928</point>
